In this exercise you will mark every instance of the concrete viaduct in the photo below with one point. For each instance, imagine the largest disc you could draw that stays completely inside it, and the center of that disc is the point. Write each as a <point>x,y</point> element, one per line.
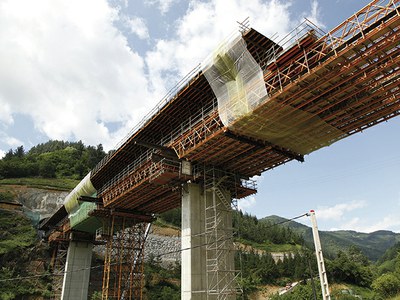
<point>254,105</point>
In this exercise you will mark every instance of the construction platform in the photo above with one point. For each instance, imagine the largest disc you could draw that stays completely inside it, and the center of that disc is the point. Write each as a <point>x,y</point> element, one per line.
<point>319,88</point>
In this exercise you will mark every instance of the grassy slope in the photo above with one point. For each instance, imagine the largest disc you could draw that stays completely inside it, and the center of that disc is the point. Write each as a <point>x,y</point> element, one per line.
<point>21,256</point>
<point>16,232</point>
<point>44,183</point>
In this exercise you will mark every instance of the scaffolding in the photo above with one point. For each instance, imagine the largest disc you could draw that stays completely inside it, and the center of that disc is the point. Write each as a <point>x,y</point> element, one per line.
<point>353,71</point>
<point>147,178</point>
<point>57,266</point>
<point>355,78</point>
<point>221,275</point>
<point>125,236</point>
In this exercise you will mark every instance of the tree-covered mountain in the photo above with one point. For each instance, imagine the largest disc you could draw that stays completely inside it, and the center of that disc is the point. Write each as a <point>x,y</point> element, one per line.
<point>373,244</point>
<point>53,159</point>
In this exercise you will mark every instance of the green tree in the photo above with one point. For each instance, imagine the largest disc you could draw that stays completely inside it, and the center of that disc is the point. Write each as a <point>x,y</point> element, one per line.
<point>47,167</point>
<point>356,255</point>
<point>52,159</point>
<point>301,291</point>
<point>172,216</point>
<point>19,152</point>
<point>345,269</point>
<point>9,155</point>
<point>386,285</point>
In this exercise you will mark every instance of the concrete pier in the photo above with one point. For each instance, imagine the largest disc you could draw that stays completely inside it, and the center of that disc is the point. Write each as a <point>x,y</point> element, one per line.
<point>77,271</point>
<point>207,270</point>
<point>193,279</point>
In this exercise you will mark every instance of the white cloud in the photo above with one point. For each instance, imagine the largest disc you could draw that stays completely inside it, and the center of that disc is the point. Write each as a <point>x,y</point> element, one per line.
<point>2,153</point>
<point>203,27</point>
<point>246,203</point>
<point>258,179</point>
<point>5,113</point>
<point>389,222</point>
<point>138,26</point>
<point>313,15</point>
<point>10,141</point>
<point>162,5</point>
<point>65,65</point>
<point>338,211</point>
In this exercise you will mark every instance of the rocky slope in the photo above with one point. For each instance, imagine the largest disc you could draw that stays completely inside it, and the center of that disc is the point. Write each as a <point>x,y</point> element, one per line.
<point>162,243</point>
<point>36,203</point>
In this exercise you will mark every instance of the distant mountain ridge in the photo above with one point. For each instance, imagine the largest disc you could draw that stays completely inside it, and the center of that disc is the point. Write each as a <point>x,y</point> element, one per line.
<point>373,244</point>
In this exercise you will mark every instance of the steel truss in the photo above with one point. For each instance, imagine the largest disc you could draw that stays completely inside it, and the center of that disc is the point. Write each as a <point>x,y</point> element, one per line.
<point>124,257</point>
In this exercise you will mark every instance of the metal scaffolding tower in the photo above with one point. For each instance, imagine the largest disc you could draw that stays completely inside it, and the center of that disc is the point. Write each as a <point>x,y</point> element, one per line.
<point>57,265</point>
<point>124,256</point>
<point>221,275</point>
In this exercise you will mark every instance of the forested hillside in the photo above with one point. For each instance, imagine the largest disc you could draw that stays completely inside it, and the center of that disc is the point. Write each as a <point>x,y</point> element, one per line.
<point>373,244</point>
<point>54,159</point>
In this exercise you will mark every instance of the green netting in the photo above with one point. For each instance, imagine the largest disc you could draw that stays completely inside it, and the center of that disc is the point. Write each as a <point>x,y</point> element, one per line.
<point>236,79</point>
<point>81,218</point>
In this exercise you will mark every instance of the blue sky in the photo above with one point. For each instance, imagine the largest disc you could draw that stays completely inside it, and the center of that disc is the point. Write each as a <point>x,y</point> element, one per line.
<point>90,70</point>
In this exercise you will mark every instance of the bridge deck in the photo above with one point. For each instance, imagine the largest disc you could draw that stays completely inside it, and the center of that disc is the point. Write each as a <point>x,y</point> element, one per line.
<point>320,89</point>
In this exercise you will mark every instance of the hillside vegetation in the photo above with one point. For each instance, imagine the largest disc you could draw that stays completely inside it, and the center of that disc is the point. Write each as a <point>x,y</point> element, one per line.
<point>366,265</point>
<point>21,255</point>
<point>54,159</point>
<point>349,270</point>
<point>373,245</point>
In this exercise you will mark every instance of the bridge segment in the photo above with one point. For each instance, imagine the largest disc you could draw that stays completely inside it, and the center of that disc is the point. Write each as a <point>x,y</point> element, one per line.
<point>211,130</point>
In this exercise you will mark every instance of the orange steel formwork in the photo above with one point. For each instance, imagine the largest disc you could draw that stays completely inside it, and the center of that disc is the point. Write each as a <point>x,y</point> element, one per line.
<point>320,88</point>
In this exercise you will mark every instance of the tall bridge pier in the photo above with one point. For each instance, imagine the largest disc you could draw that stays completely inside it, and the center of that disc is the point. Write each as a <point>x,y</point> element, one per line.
<point>208,267</point>
<point>77,270</point>
<point>255,105</point>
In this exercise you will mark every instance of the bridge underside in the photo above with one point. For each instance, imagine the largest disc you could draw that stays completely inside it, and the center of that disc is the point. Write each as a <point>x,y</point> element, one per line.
<point>319,89</point>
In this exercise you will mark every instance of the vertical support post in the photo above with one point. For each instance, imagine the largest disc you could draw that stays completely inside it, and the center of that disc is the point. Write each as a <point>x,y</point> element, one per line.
<point>208,269</point>
<point>320,259</point>
<point>193,281</point>
<point>77,271</point>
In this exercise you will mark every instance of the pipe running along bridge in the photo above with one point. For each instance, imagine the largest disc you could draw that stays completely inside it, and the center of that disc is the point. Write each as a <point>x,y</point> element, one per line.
<point>254,105</point>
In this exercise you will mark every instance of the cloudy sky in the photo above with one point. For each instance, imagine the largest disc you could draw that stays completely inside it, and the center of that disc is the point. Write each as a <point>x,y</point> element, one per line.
<point>90,70</point>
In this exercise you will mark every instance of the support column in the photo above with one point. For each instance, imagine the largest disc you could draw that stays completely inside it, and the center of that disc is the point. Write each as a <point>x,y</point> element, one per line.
<point>77,271</point>
<point>193,279</point>
<point>208,255</point>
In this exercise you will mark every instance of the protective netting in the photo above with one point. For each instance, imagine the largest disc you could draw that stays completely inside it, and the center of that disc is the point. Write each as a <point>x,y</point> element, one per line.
<point>82,214</point>
<point>84,188</point>
<point>288,127</point>
<point>245,108</point>
<point>236,79</point>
